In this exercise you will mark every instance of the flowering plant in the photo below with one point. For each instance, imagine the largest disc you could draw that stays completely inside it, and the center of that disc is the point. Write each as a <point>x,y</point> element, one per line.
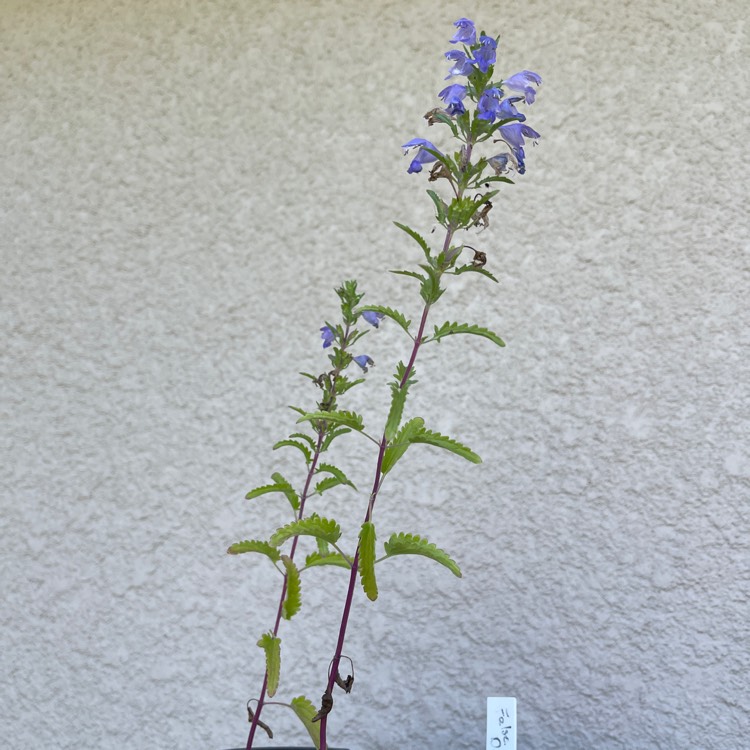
<point>480,109</point>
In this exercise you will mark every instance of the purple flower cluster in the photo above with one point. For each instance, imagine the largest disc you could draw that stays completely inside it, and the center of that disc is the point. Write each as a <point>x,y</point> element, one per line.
<point>492,103</point>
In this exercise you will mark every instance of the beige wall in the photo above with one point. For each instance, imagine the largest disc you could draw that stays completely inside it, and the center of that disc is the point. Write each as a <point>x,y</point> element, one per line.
<point>181,186</point>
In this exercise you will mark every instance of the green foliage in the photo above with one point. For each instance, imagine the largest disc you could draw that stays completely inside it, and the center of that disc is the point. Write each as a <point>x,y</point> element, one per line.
<point>411,544</point>
<point>442,441</point>
<point>322,528</point>
<point>398,399</point>
<point>400,443</point>
<point>350,298</point>
<point>389,312</point>
<point>255,545</point>
<point>336,472</point>
<point>306,711</point>
<point>344,418</point>
<point>431,291</point>
<point>417,237</point>
<point>293,599</point>
<point>440,207</point>
<point>280,485</point>
<point>295,444</point>
<point>448,329</point>
<point>469,268</point>
<point>367,560</point>
<point>331,435</point>
<point>332,558</point>
<point>272,646</point>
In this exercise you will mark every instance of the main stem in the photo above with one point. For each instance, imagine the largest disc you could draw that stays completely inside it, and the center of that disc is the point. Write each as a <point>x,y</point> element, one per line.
<point>334,670</point>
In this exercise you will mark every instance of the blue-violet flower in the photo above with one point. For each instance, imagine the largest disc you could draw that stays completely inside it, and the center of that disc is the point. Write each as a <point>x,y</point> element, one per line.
<point>363,361</point>
<point>328,336</point>
<point>488,105</point>
<point>486,54</point>
<point>466,32</point>
<point>522,82</point>
<point>372,317</point>
<point>422,157</point>
<point>513,135</point>
<point>462,66</point>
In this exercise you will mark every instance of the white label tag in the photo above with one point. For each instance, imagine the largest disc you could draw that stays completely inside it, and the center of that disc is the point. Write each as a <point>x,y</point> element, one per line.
<point>501,723</point>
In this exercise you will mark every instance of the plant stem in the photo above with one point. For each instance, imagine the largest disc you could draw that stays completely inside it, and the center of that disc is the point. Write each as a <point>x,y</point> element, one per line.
<point>264,690</point>
<point>300,513</point>
<point>373,496</point>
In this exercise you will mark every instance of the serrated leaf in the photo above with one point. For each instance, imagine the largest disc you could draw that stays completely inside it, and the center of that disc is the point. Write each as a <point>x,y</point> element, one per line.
<point>449,329</point>
<point>332,558</point>
<point>367,560</point>
<point>475,269</point>
<point>345,418</point>
<point>281,485</point>
<point>255,545</point>
<point>322,528</point>
<point>413,274</point>
<point>415,236</point>
<point>272,646</point>
<point>336,472</point>
<point>400,443</point>
<point>398,399</point>
<point>389,312</point>
<point>411,544</point>
<point>441,208</point>
<point>306,711</point>
<point>295,444</point>
<point>327,484</point>
<point>331,435</point>
<point>293,598</point>
<point>443,441</point>
<point>306,438</point>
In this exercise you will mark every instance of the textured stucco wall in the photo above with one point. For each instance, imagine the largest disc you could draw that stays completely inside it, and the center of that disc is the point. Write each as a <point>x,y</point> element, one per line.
<point>182,184</point>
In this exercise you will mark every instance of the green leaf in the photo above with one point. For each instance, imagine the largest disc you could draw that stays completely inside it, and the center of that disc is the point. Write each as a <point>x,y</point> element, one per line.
<point>306,711</point>
<point>448,329</point>
<point>336,472</point>
<point>281,485</point>
<point>475,269</point>
<point>439,205</point>
<point>442,441</point>
<point>306,438</point>
<point>322,528</point>
<point>345,418</point>
<point>367,560</point>
<point>411,544</point>
<point>331,435</point>
<point>400,443</point>
<point>272,646</point>
<point>389,312</point>
<point>415,236</point>
<point>295,444</point>
<point>255,545</point>
<point>293,598</point>
<point>327,484</point>
<point>332,558</point>
<point>398,399</point>
<point>413,274</point>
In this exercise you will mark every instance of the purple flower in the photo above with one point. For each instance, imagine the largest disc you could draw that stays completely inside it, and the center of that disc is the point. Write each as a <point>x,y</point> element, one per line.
<point>328,336</point>
<point>513,135</point>
<point>486,54</point>
<point>465,33</point>
<point>422,157</point>
<point>363,361</point>
<point>523,82</point>
<point>508,111</point>
<point>488,105</point>
<point>499,163</point>
<point>372,317</point>
<point>453,96</point>
<point>462,66</point>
